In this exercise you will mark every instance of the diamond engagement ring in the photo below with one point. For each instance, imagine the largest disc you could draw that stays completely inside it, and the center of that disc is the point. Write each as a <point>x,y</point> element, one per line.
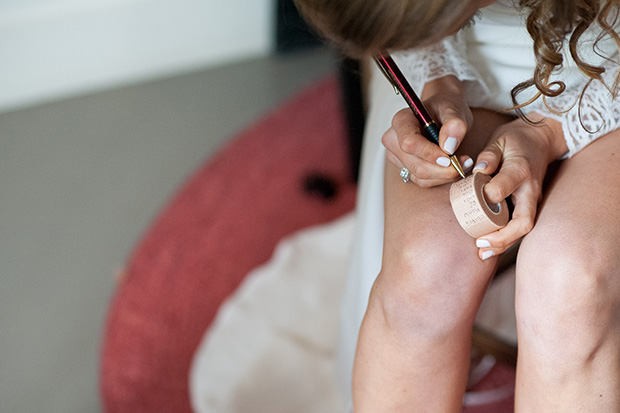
<point>405,175</point>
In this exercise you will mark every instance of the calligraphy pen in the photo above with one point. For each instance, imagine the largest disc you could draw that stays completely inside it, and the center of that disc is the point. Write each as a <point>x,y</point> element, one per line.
<point>430,128</point>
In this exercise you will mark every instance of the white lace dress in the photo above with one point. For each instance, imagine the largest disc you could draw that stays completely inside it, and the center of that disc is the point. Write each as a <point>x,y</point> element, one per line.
<point>492,56</point>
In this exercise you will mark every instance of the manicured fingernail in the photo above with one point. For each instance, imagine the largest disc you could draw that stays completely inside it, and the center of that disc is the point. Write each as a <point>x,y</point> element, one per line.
<point>443,161</point>
<point>483,243</point>
<point>450,145</point>
<point>487,254</point>
<point>480,166</point>
<point>468,163</point>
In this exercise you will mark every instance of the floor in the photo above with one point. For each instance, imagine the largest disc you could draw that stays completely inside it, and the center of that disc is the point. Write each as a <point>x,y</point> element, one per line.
<point>80,180</point>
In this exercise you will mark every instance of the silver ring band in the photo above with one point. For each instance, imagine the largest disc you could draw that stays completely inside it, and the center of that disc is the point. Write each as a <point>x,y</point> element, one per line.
<point>405,175</point>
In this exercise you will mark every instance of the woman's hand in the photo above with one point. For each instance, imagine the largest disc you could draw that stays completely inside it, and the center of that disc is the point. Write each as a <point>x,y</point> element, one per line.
<point>407,147</point>
<point>522,152</point>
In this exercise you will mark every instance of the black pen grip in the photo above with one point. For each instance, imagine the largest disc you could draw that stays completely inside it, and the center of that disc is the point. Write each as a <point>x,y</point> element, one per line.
<point>431,132</point>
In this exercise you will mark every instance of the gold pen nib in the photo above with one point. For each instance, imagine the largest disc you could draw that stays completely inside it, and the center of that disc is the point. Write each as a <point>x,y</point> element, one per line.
<point>455,163</point>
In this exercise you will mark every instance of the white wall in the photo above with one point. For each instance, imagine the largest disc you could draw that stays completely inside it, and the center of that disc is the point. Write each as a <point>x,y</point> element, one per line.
<point>50,49</point>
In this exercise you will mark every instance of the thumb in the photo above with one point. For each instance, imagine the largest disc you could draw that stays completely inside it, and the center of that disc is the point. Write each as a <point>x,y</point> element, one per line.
<point>455,122</point>
<point>488,161</point>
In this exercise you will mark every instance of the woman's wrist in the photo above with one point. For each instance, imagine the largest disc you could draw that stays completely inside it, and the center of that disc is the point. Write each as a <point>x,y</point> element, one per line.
<point>445,84</point>
<point>553,134</point>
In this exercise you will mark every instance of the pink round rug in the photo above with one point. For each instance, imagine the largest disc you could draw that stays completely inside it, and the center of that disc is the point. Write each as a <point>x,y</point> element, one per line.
<point>222,223</point>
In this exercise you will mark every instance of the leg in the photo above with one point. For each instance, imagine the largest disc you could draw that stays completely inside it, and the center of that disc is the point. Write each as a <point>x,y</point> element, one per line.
<point>568,290</point>
<point>414,345</point>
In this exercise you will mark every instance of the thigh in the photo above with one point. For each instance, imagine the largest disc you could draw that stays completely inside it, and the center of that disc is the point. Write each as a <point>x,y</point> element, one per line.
<point>581,201</point>
<point>572,256</point>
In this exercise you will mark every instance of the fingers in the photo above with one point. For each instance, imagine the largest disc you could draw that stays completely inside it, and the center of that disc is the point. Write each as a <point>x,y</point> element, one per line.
<point>526,194</point>
<point>424,173</point>
<point>454,123</point>
<point>418,176</point>
<point>514,172</point>
<point>425,160</point>
<point>451,134</point>
<point>521,223</point>
<point>406,129</point>
<point>504,183</point>
<point>514,178</point>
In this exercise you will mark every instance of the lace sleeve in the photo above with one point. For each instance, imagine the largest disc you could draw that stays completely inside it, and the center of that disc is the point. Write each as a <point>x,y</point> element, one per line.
<point>585,118</point>
<point>447,57</point>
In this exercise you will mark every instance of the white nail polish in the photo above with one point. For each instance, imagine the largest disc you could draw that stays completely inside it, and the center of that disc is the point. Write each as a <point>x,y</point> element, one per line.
<point>443,161</point>
<point>450,145</point>
<point>468,163</point>
<point>480,165</point>
<point>483,243</point>
<point>487,254</point>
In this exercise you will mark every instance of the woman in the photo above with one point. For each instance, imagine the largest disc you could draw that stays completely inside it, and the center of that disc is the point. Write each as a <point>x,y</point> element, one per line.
<point>554,62</point>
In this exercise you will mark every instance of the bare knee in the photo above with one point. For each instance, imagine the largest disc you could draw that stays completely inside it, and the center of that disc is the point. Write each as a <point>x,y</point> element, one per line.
<point>567,297</point>
<point>431,292</point>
